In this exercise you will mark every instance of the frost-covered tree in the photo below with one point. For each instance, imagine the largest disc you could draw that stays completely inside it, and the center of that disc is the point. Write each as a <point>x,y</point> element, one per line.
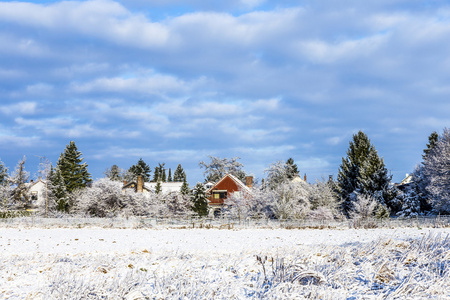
<point>19,180</point>
<point>432,142</point>
<point>199,200</point>
<point>103,199</point>
<point>437,169</point>
<point>363,207</point>
<point>139,169</point>
<point>410,202</point>
<point>362,172</point>
<point>280,172</point>
<point>178,205</point>
<point>114,173</point>
<point>324,202</point>
<point>290,200</point>
<point>219,167</point>
<point>4,177</point>
<point>73,169</point>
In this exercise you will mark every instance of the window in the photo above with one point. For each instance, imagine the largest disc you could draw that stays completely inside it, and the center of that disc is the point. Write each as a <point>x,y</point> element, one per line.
<point>220,194</point>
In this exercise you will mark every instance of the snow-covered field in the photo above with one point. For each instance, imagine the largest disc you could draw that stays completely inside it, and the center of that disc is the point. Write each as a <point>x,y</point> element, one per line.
<point>96,263</point>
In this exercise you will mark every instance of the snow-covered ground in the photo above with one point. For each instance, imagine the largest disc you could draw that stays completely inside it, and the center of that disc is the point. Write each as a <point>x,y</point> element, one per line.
<point>94,263</point>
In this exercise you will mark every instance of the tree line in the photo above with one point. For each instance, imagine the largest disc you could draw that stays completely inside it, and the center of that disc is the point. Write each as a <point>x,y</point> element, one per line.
<point>363,187</point>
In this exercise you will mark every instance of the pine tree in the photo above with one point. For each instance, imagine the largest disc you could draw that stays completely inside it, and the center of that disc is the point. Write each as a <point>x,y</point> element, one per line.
<point>73,170</point>
<point>140,169</point>
<point>362,172</point>
<point>156,175</point>
<point>199,200</point>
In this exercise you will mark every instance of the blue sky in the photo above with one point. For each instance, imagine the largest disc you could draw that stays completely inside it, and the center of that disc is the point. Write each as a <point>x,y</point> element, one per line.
<point>175,81</point>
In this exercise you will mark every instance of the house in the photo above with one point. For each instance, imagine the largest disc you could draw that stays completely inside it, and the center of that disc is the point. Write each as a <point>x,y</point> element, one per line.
<point>226,186</point>
<point>139,186</point>
<point>36,192</point>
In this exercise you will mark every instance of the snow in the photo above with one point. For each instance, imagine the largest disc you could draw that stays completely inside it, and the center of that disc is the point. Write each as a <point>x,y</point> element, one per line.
<point>71,263</point>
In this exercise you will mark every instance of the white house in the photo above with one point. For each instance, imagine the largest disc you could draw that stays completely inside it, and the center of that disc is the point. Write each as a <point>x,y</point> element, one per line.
<point>36,192</point>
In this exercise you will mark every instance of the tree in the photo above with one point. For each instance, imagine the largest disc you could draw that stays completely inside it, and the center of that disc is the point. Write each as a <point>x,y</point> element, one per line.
<point>281,172</point>
<point>219,167</point>
<point>169,177</point>
<point>3,174</point>
<point>184,190</point>
<point>437,169</point>
<point>73,170</point>
<point>179,175</point>
<point>362,172</point>
<point>199,200</point>
<point>140,169</point>
<point>114,173</point>
<point>19,181</point>
<point>291,169</point>
<point>432,142</point>
<point>158,187</point>
<point>160,173</point>
<point>57,190</point>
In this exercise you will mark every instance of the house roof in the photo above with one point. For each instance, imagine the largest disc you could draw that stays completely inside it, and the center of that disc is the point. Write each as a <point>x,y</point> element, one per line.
<point>239,183</point>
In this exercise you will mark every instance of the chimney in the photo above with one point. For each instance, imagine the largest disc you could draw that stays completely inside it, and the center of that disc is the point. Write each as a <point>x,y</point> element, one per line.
<point>304,177</point>
<point>249,181</point>
<point>140,184</point>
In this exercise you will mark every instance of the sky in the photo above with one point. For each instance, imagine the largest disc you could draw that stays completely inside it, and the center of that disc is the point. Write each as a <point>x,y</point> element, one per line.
<point>174,82</point>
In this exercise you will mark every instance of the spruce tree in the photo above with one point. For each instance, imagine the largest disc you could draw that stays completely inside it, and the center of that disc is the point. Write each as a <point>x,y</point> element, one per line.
<point>362,172</point>
<point>140,169</point>
<point>199,200</point>
<point>73,170</point>
<point>156,175</point>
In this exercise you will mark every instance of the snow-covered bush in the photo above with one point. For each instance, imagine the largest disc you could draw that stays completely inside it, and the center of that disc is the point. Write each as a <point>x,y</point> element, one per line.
<point>290,200</point>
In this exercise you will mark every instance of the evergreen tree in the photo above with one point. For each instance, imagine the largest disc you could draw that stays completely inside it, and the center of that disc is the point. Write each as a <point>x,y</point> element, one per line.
<point>3,174</point>
<point>156,175</point>
<point>158,187</point>
<point>437,169</point>
<point>185,188</point>
<point>362,172</point>
<point>179,175</point>
<point>57,190</point>
<point>291,169</point>
<point>169,177</point>
<point>199,200</point>
<point>114,173</point>
<point>140,169</point>
<point>73,170</point>
<point>432,141</point>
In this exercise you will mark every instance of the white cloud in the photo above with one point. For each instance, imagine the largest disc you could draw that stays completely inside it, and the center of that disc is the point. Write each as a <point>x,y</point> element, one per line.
<point>22,108</point>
